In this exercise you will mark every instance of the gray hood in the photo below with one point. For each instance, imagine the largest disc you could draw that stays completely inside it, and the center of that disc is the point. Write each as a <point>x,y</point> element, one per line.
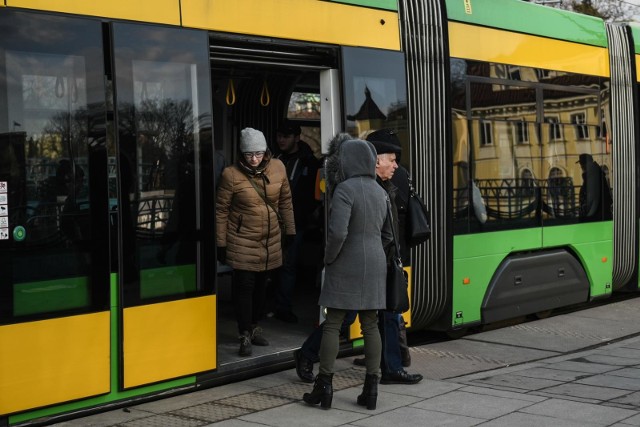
<point>349,157</point>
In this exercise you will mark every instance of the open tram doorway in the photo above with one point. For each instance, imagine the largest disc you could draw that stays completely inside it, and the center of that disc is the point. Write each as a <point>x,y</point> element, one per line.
<point>258,84</point>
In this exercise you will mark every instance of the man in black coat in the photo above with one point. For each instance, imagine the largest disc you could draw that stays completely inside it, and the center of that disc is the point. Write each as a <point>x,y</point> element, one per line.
<point>302,167</point>
<point>388,148</point>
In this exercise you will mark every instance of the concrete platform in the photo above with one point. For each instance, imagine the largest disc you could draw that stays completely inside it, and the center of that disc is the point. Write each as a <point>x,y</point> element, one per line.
<point>576,369</point>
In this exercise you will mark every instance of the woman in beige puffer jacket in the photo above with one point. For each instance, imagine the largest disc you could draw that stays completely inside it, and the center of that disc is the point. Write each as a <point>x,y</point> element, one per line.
<point>248,233</point>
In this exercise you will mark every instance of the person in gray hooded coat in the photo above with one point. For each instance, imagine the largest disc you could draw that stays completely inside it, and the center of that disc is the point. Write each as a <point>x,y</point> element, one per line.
<point>355,262</point>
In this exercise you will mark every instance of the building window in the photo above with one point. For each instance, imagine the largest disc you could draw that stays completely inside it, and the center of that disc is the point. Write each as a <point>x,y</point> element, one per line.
<point>555,130</point>
<point>486,133</point>
<point>522,132</point>
<point>602,129</point>
<point>579,120</point>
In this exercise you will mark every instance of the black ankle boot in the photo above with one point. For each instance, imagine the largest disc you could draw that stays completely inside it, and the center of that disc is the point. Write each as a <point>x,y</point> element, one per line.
<point>369,394</point>
<point>322,391</point>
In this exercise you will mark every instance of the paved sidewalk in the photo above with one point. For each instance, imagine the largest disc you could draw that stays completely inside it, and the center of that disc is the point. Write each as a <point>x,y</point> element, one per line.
<point>578,369</point>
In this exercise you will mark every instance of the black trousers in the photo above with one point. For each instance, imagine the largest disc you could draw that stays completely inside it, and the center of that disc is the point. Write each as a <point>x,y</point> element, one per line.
<point>249,289</point>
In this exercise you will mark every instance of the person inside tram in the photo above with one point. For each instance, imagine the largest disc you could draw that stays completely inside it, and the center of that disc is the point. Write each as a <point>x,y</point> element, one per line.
<point>302,167</point>
<point>595,195</point>
<point>252,198</point>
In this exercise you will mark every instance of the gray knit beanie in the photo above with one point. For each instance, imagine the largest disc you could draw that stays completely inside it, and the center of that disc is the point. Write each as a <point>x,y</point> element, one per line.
<point>252,140</point>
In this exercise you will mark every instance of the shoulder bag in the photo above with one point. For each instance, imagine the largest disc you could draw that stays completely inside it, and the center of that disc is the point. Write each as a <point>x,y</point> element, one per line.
<point>397,281</point>
<point>417,228</point>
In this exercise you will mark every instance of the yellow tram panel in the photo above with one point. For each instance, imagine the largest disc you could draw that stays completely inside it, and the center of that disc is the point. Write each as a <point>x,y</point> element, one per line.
<point>310,20</point>
<point>54,361</point>
<point>169,340</point>
<point>492,45</point>
<point>638,67</point>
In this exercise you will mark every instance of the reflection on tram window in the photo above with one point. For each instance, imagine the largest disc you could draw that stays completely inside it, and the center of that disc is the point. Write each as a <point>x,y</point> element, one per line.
<point>566,178</point>
<point>522,163</point>
<point>375,94</point>
<point>47,160</point>
<point>162,113</point>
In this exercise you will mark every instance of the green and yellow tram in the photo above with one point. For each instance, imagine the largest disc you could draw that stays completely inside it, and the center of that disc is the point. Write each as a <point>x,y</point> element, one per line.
<point>115,119</point>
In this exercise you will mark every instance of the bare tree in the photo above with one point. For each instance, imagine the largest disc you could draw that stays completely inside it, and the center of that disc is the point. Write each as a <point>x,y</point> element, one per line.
<point>609,10</point>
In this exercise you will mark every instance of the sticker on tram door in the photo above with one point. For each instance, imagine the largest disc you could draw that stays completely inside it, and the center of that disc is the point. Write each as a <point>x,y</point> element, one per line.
<point>4,234</point>
<point>4,222</point>
<point>3,187</point>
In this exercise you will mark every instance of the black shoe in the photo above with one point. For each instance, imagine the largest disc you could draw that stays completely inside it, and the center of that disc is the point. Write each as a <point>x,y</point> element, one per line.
<point>400,377</point>
<point>359,361</point>
<point>286,316</point>
<point>245,344</point>
<point>304,367</point>
<point>257,338</point>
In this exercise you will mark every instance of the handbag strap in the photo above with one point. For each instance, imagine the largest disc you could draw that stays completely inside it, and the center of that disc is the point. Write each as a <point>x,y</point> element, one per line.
<point>412,190</point>
<point>264,197</point>
<point>393,229</point>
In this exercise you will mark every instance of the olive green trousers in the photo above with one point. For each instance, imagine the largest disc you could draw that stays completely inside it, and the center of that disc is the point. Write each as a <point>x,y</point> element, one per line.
<point>331,340</point>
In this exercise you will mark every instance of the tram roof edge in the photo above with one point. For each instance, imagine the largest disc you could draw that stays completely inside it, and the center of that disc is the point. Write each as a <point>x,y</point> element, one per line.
<point>540,20</point>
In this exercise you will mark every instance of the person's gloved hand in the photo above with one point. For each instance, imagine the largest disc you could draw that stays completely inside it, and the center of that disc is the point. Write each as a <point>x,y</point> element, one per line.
<point>221,252</point>
<point>288,240</point>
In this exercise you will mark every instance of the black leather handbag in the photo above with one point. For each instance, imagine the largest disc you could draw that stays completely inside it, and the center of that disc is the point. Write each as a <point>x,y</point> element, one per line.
<point>417,228</point>
<point>397,280</point>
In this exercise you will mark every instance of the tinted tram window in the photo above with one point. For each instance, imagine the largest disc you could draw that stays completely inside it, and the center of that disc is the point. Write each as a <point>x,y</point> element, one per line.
<point>164,117</point>
<point>376,94</point>
<point>54,261</point>
<point>577,185</point>
<point>502,173</point>
<point>511,72</point>
<point>495,101</point>
<point>517,145</point>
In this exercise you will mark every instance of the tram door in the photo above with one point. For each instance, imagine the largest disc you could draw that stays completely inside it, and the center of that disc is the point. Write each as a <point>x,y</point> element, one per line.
<point>54,272</point>
<point>165,202</point>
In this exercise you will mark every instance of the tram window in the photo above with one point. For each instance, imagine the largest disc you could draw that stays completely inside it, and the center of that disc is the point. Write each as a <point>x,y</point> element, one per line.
<point>375,91</point>
<point>52,89</point>
<point>567,107</point>
<point>511,72</point>
<point>497,101</point>
<point>304,105</point>
<point>162,106</point>
<point>498,171</point>
<point>561,192</point>
<point>461,176</point>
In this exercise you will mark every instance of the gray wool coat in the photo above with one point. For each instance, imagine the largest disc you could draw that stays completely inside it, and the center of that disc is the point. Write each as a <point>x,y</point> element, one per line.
<point>358,230</point>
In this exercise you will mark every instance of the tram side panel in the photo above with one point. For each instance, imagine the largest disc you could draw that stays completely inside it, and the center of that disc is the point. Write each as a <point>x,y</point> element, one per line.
<point>55,274</point>
<point>524,108</point>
